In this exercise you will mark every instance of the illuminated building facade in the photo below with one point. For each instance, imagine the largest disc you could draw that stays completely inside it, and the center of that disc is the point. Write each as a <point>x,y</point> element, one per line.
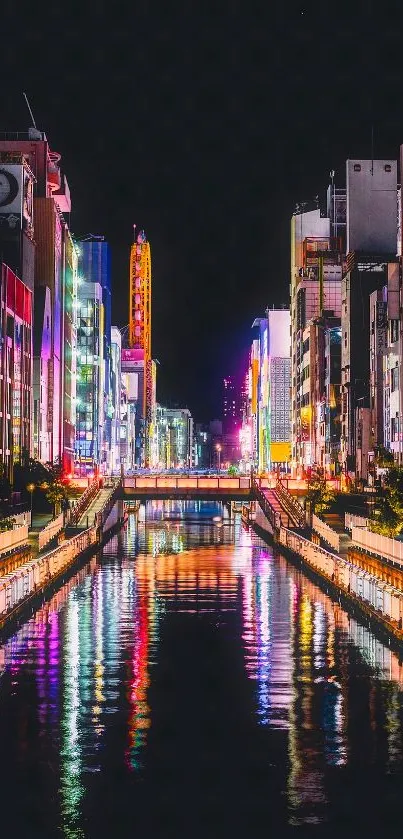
<point>202,447</point>
<point>115,399</point>
<point>132,428</point>
<point>317,248</point>
<point>95,267</point>
<point>140,334</point>
<point>90,379</point>
<point>372,264</point>
<point>175,435</point>
<point>49,264</point>
<point>17,259</point>
<point>271,391</point>
<point>15,370</point>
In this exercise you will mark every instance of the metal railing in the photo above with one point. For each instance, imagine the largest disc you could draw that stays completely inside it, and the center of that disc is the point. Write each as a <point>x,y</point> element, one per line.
<point>326,533</point>
<point>292,506</point>
<point>275,518</point>
<point>75,513</point>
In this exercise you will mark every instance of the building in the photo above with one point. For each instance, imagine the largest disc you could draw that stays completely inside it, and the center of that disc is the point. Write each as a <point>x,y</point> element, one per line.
<point>90,380</point>
<point>175,438</point>
<point>46,264</point>
<point>132,415</point>
<point>140,339</point>
<point>15,371</point>
<point>17,260</point>
<point>371,260</point>
<point>317,248</point>
<point>114,402</point>
<point>202,447</point>
<point>272,398</point>
<point>94,266</point>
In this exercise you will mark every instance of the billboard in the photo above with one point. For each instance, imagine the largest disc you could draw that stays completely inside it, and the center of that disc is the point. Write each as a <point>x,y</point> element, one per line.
<point>132,359</point>
<point>306,414</point>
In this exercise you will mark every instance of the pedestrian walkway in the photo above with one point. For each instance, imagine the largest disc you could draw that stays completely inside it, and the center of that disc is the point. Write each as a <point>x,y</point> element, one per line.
<point>336,522</point>
<point>272,498</point>
<point>98,503</point>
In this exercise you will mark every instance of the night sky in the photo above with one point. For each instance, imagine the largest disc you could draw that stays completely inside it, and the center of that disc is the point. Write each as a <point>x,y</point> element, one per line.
<point>204,128</point>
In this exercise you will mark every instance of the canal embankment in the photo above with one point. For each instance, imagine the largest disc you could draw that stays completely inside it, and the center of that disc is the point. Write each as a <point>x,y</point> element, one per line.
<point>25,586</point>
<point>369,583</point>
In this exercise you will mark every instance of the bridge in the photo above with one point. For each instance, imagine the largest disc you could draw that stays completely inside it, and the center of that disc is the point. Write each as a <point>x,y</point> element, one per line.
<point>196,487</point>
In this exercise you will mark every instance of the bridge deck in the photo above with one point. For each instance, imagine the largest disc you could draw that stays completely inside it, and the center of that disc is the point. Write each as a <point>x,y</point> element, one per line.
<point>186,487</point>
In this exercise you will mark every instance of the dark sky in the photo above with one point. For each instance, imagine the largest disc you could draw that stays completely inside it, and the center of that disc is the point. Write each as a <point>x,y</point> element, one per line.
<point>205,127</point>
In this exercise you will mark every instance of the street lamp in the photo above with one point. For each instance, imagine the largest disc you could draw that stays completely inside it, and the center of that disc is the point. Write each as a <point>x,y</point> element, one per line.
<point>30,488</point>
<point>218,450</point>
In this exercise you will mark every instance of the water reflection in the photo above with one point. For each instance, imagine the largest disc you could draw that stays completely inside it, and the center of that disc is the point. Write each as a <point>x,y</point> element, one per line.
<point>78,677</point>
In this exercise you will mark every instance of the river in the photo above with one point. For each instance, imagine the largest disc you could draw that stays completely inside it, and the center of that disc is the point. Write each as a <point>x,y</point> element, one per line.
<point>189,681</point>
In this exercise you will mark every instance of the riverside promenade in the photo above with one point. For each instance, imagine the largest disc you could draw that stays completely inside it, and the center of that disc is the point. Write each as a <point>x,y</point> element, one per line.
<point>362,568</point>
<point>36,563</point>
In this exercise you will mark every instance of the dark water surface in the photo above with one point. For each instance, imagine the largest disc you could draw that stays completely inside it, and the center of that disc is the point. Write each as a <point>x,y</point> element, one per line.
<point>191,682</point>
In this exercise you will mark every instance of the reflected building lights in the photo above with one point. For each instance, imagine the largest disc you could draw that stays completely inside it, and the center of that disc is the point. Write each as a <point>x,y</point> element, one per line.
<point>71,786</point>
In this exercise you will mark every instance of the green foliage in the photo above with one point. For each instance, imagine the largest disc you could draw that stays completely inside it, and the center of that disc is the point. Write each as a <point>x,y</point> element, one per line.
<point>7,524</point>
<point>388,519</point>
<point>233,471</point>
<point>383,457</point>
<point>55,494</point>
<point>320,495</point>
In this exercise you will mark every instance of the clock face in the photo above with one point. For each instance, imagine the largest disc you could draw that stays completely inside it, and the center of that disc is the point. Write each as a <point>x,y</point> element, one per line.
<point>8,188</point>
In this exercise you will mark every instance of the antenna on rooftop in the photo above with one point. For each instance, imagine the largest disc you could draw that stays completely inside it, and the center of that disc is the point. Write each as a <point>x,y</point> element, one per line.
<point>29,108</point>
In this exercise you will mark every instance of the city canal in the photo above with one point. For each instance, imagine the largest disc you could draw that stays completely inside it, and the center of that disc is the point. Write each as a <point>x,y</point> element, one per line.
<point>189,681</point>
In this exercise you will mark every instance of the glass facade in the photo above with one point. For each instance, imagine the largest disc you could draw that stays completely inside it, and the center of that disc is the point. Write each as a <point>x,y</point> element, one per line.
<point>89,388</point>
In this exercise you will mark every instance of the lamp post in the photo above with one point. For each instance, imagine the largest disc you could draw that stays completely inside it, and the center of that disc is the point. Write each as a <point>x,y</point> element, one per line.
<point>218,450</point>
<point>30,488</point>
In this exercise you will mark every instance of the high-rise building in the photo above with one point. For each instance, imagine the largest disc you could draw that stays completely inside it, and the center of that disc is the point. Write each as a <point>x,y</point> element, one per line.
<point>132,427</point>
<point>175,438</point>
<point>231,405</point>
<point>140,337</point>
<point>113,464</point>
<point>51,209</point>
<point>90,379</point>
<point>317,247</point>
<point>15,370</point>
<point>273,390</point>
<point>17,255</point>
<point>94,266</point>
<point>371,261</point>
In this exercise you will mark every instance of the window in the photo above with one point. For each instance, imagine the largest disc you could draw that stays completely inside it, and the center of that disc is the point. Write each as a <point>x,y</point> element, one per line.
<point>394,331</point>
<point>394,379</point>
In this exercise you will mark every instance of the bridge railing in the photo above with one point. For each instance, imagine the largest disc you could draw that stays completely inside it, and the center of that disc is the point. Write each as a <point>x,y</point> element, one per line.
<point>164,482</point>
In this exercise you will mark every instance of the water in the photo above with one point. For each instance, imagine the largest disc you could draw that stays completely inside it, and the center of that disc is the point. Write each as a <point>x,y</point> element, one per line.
<point>189,682</point>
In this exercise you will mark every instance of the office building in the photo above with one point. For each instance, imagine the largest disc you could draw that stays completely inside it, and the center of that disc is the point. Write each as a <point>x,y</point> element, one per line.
<point>371,257</point>
<point>114,401</point>
<point>175,436</point>
<point>90,380</point>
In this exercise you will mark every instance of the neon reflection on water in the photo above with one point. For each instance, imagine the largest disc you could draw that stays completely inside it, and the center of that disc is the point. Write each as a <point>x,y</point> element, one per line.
<point>72,790</point>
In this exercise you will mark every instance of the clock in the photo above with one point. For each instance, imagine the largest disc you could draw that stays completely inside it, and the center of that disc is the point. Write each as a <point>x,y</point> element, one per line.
<point>8,188</point>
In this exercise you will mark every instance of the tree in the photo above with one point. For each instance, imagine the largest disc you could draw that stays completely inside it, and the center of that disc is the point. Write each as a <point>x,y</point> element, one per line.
<point>55,494</point>
<point>388,518</point>
<point>233,471</point>
<point>319,495</point>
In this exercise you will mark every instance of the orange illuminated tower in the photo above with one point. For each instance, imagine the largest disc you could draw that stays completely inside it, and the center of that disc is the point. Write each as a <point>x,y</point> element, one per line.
<point>140,322</point>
